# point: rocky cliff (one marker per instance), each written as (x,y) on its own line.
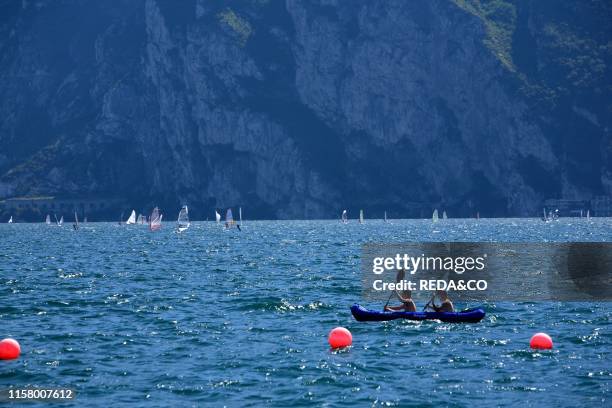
(298,109)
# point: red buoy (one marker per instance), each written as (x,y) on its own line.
(9,349)
(541,341)
(340,337)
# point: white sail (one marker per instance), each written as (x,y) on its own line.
(155,220)
(48,220)
(229,219)
(588,214)
(240,215)
(76,220)
(10,221)
(217,216)
(444,217)
(434,217)
(183,219)
(61,221)
(344,217)
(361,216)
(132,218)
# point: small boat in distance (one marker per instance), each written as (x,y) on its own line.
(217,216)
(344,217)
(132,219)
(444,217)
(434,217)
(229,218)
(183,219)
(10,221)
(552,216)
(155,220)
(361,216)
(48,220)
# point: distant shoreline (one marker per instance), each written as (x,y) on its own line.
(350,221)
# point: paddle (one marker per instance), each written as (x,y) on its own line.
(427,304)
(398,278)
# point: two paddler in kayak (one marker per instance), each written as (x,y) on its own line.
(408,305)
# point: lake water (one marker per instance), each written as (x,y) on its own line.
(130,317)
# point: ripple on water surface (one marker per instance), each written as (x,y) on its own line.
(129,316)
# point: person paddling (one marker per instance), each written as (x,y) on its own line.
(407,305)
(445,306)
(404,296)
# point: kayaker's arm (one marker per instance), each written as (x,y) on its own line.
(402,299)
(432,305)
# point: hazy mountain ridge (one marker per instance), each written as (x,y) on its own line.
(298,109)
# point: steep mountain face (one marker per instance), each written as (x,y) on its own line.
(298,109)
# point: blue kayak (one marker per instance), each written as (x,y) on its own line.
(361,314)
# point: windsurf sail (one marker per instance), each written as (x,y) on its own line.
(48,220)
(155,220)
(344,216)
(141,219)
(434,217)
(61,221)
(229,218)
(183,219)
(385,216)
(217,216)
(76,220)
(444,217)
(361,216)
(240,215)
(588,214)
(132,218)
(10,221)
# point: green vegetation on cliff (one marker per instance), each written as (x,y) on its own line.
(499,18)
